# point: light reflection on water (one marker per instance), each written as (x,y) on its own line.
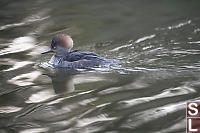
(159,53)
(16,45)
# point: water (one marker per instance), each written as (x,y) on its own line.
(157,42)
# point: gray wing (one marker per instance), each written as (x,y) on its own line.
(82,55)
(80,64)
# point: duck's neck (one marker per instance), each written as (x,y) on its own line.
(62,52)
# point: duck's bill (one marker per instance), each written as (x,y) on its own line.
(49,51)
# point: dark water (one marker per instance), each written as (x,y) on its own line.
(158,43)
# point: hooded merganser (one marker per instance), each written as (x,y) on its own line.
(62,44)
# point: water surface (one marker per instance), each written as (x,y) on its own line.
(157,43)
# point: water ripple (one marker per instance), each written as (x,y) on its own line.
(25,79)
(27,21)
(18,45)
(9,109)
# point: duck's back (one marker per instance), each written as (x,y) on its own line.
(77,55)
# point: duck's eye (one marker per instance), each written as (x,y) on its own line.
(53,44)
(53,47)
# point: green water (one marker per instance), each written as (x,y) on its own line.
(157,43)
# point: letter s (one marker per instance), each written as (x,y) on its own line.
(193,108)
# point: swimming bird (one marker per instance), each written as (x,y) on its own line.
(62,44)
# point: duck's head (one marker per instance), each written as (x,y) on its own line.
(60,44)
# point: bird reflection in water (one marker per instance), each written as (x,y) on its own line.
(62,80)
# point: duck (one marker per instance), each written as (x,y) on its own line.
(61,45)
